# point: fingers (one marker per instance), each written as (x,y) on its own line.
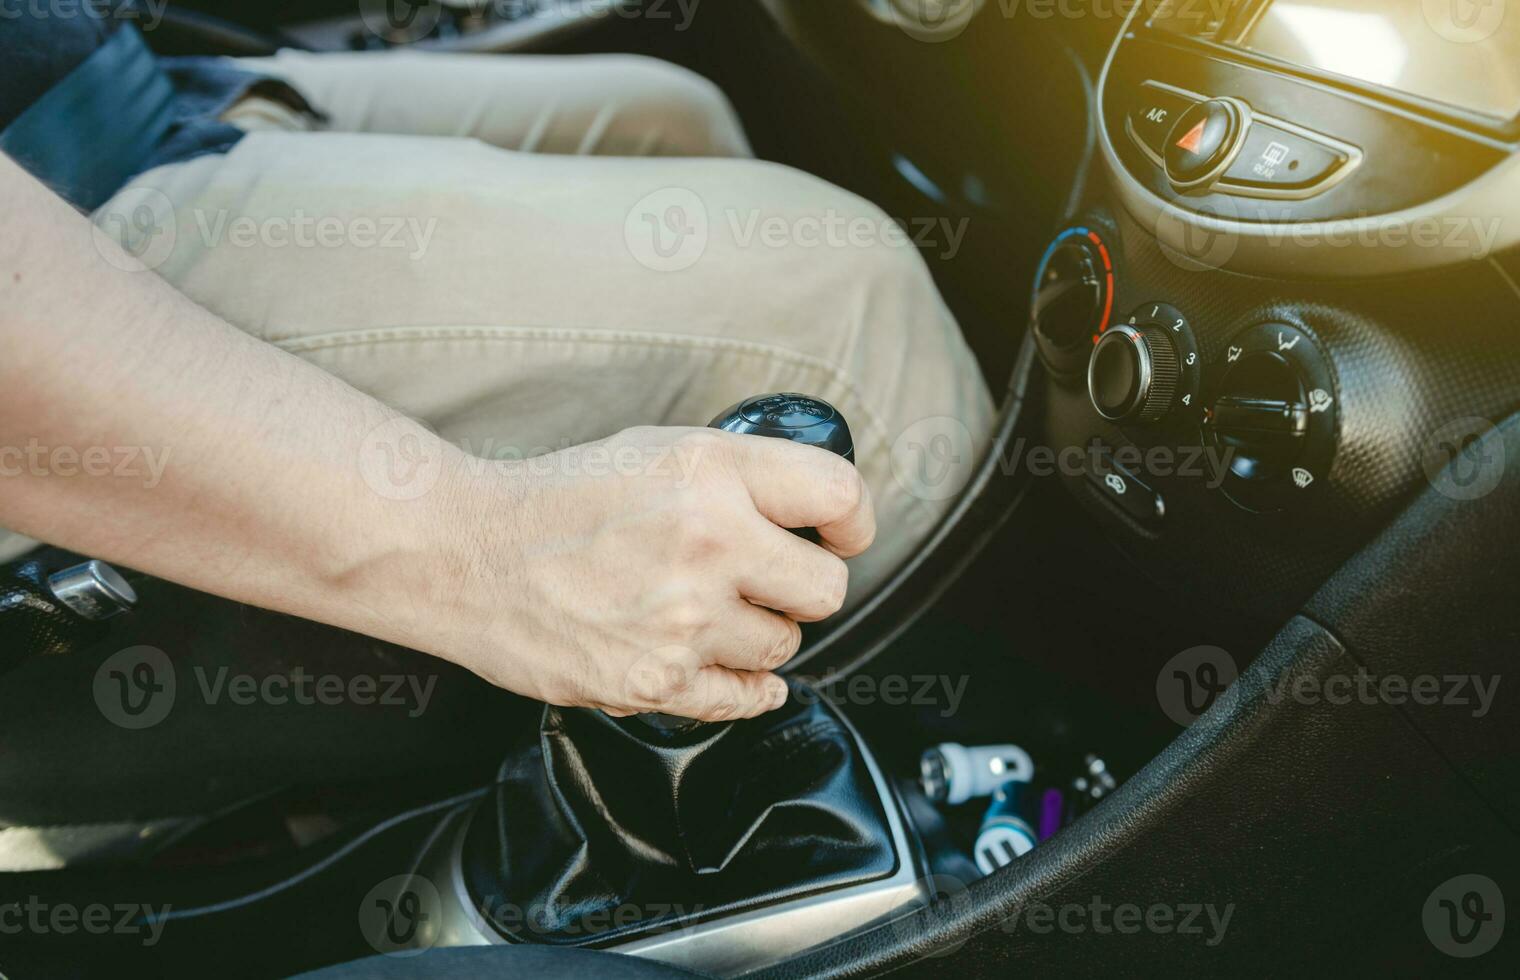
(793,576)
(720,694)
(803,486)
(677,680)
(748,637)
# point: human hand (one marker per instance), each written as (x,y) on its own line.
(651,572)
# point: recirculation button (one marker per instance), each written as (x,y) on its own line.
(1125,490)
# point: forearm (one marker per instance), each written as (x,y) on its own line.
(219,461)
(667,584)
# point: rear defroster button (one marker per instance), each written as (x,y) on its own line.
(1277,159)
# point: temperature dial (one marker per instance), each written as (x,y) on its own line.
(1073,298)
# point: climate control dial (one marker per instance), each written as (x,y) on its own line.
(1073,298)
(1272,417)
(1133,373)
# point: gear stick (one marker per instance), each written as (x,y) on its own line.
(787,415)
(800,418)
(606,828)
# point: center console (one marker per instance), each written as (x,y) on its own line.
(725,850)
(721,848)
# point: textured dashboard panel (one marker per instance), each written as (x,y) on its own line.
(1412,357)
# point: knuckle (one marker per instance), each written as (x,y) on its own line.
(697,533)
(869,534)
(638,435)
(656,681)
(785,649)
(685,617)
(724,707)
(701,445)
(843,488)
(633,433)
(834,586)
(566,692)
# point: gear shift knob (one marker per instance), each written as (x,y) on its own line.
(800,418)
(787,415)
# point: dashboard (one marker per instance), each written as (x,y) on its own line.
(1275,249)
(1343,161)
(1291,301)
